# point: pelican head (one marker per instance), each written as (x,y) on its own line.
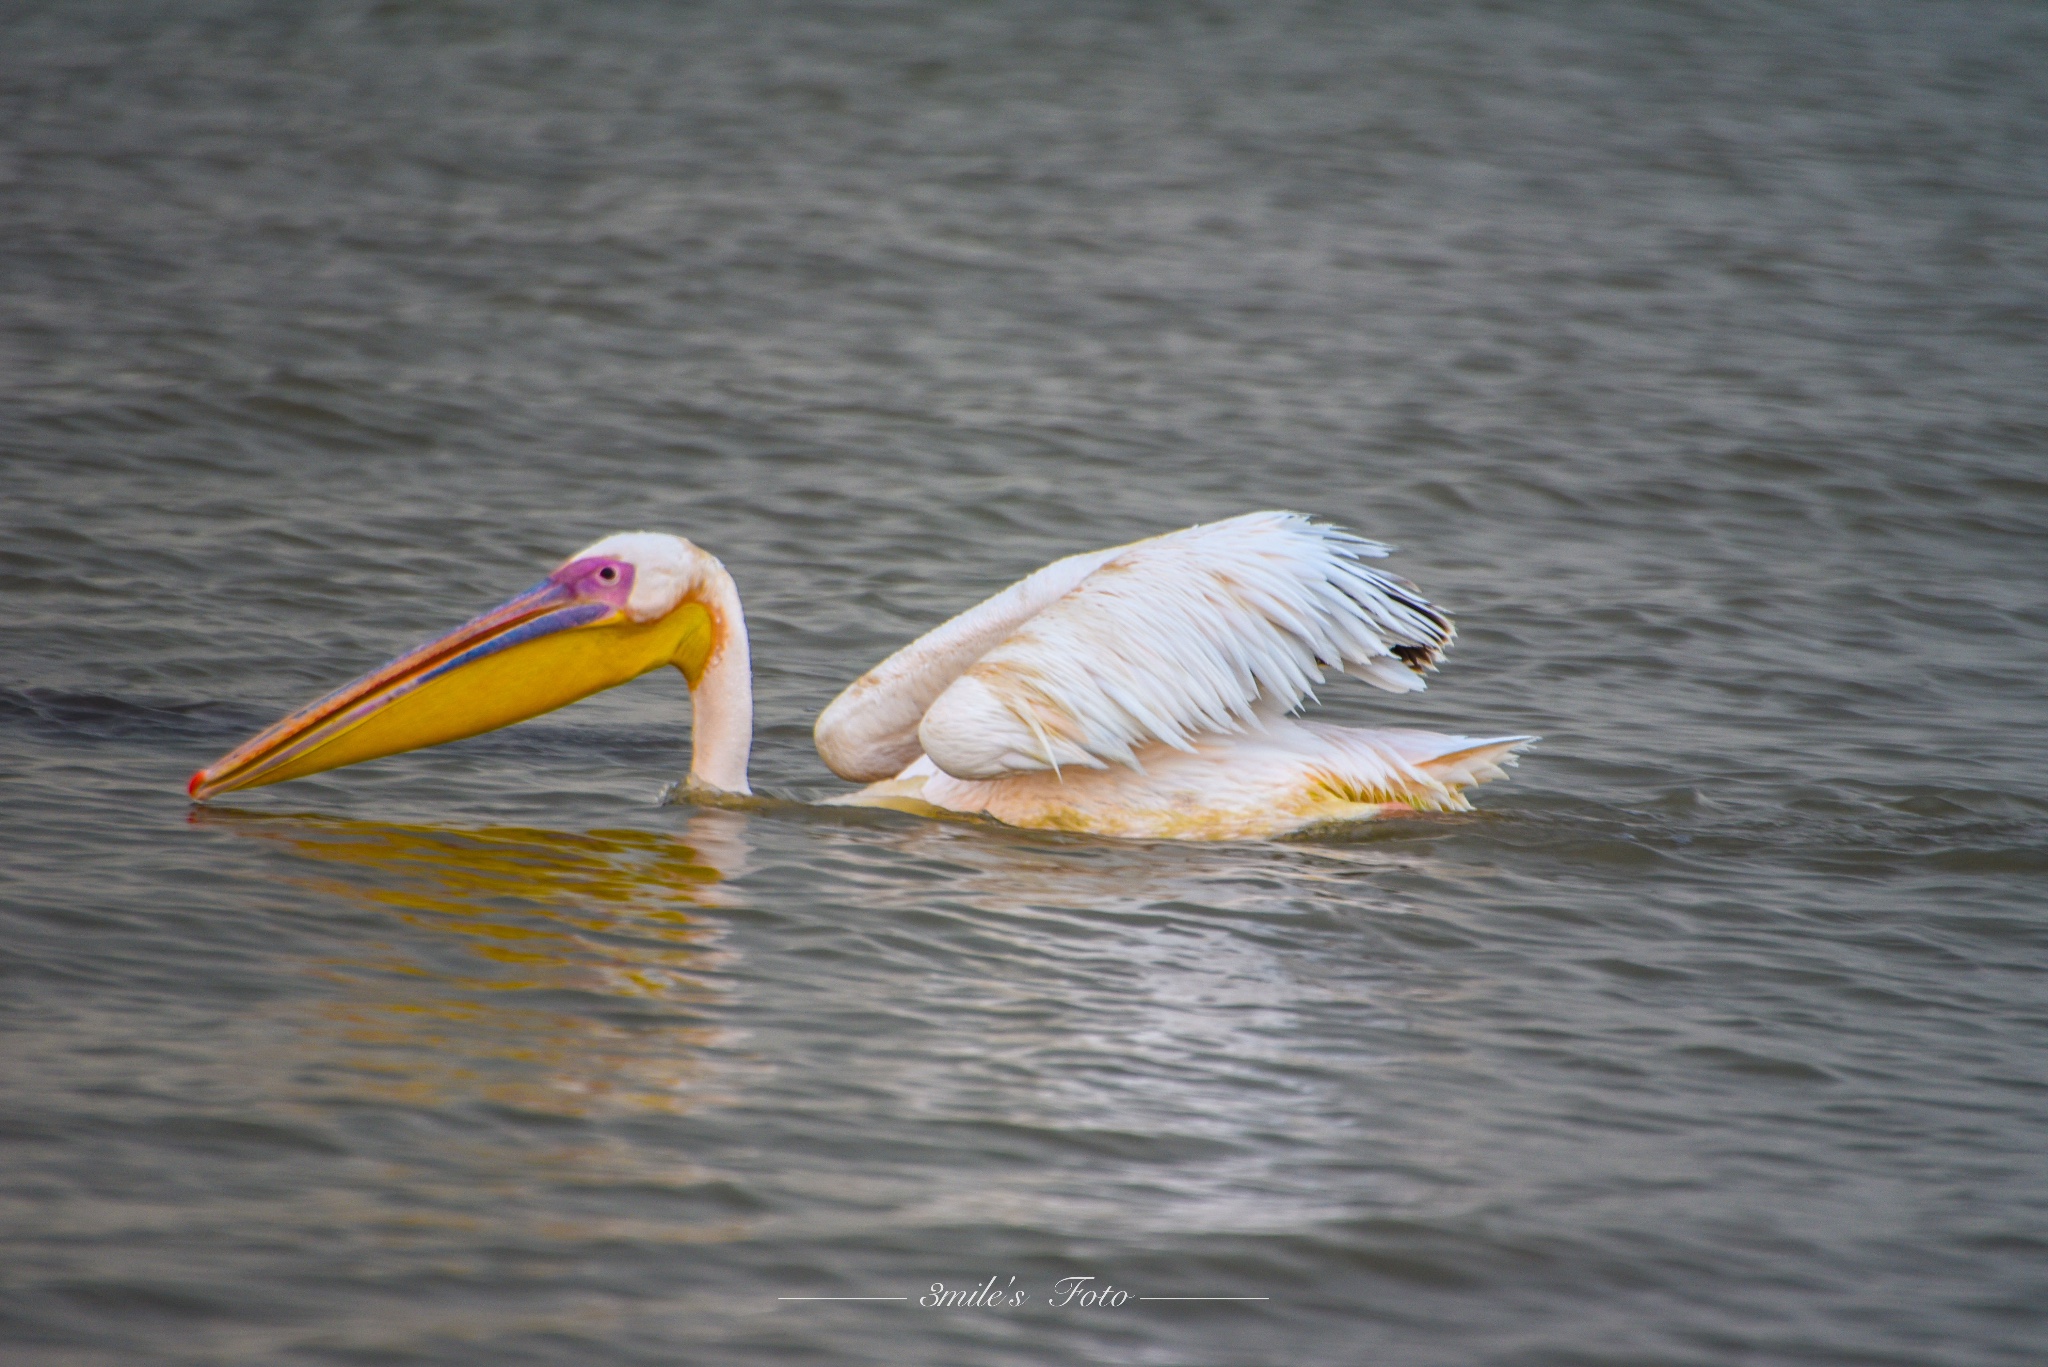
(625,605)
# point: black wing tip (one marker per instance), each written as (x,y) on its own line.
(1421,659)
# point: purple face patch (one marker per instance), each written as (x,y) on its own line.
(598,579)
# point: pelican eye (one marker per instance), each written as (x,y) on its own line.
(608,574)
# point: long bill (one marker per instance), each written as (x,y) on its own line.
(544,649)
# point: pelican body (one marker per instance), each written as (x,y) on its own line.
(1144,690)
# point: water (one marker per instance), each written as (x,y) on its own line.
(1692,354)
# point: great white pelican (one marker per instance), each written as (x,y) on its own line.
(1143,690)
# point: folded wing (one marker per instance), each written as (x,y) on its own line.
(1198,631)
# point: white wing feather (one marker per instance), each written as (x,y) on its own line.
(1195,632)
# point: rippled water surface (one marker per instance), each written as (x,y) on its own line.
(1693,354)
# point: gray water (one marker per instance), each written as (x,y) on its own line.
(1694,355)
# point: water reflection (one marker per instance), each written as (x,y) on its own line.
(547,971)
(1010,872)
(1160,1011)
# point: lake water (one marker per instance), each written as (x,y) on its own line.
(1696,357)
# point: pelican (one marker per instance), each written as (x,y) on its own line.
(1145,690)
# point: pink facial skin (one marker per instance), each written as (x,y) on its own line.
(597,579)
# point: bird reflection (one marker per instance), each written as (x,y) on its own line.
(548,971)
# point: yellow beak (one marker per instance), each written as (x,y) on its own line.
(557,642)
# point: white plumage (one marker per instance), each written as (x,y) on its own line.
(1143,690)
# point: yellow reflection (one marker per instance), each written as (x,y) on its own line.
(548,971)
